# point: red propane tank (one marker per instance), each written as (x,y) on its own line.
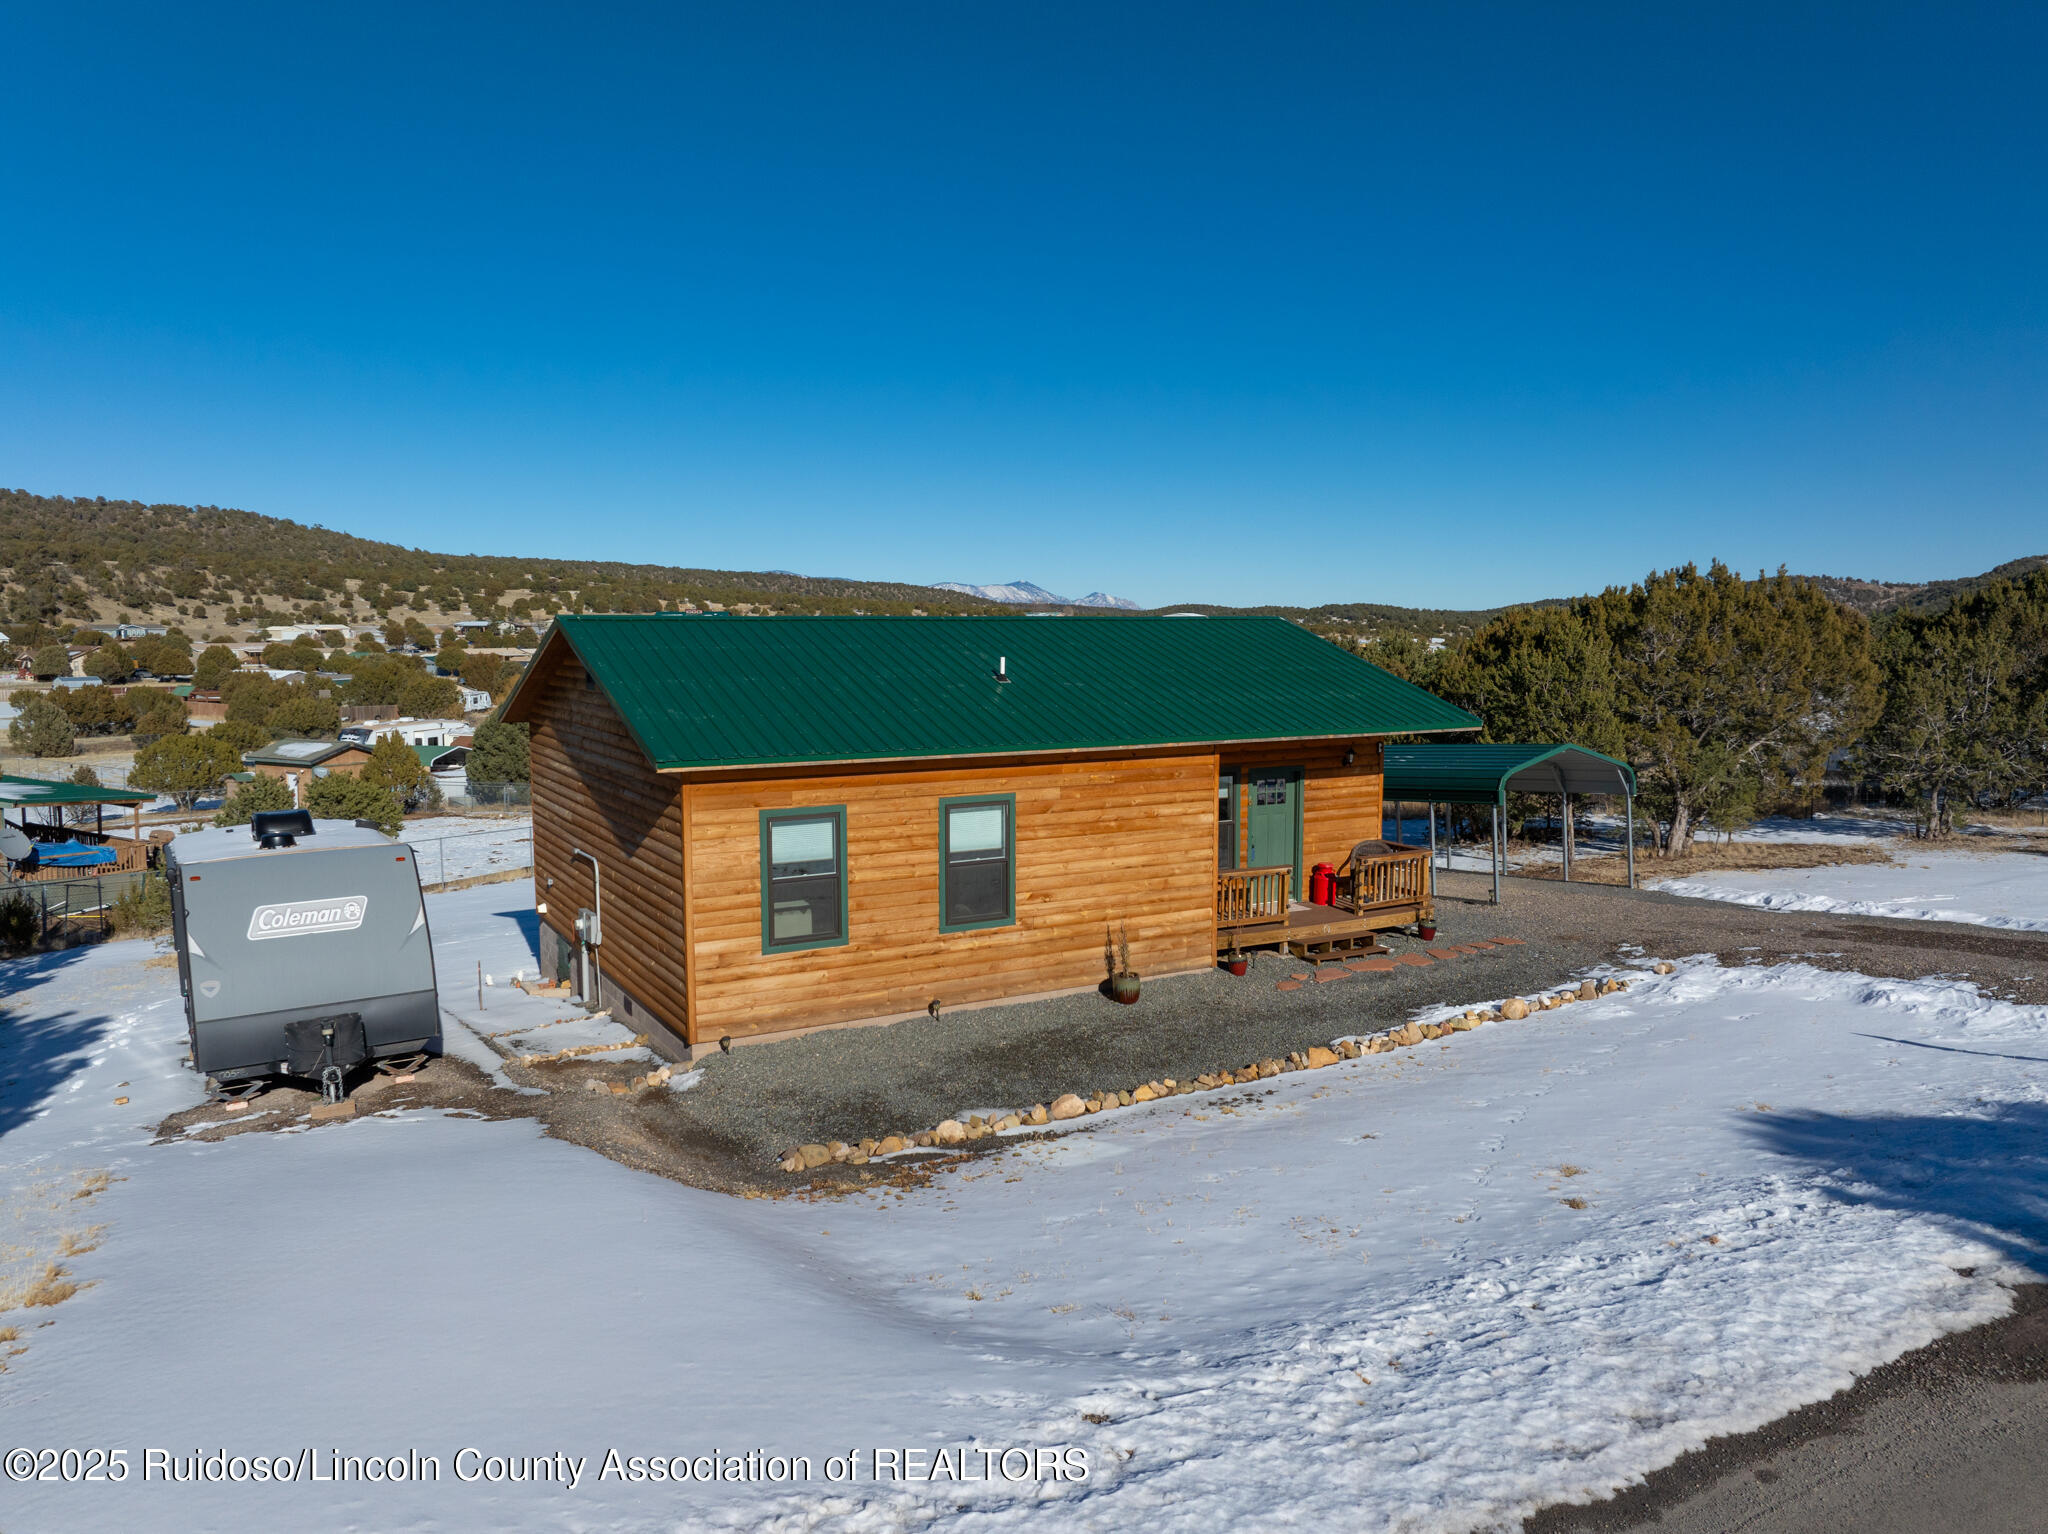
(1322,884)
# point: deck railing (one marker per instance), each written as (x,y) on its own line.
(1389,878)
(1245,896)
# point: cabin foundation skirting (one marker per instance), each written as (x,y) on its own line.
(560,961)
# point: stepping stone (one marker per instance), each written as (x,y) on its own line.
(1478,947)
(1288,985)
(1332,972)
(1421,959)
(1509,942)
(1373,966)
(1444,953)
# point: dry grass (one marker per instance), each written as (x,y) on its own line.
(76,1243)
(1714,857)
(92,1184)
(52,1286)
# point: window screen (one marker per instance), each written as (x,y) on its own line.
(804,887)
(977,857)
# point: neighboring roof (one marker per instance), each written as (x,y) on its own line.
(33,791)
(728,692)
(1486,774)
(217,843)
(429,755)
(300,753)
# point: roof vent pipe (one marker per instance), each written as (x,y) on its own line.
(1002,668)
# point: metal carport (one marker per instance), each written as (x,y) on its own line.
(1487,774)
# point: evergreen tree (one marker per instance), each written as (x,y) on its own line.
(1966,702)
(215,664)
(344,796)
(395,766)
(42,728)
(1728,689)
(50,660)
(187,767)
(499,754)
(258,795)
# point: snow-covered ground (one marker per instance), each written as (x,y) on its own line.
(454,847)
(1968,884)
(1426,1290)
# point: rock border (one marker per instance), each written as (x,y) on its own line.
(950,1133)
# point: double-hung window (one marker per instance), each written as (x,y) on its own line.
(977,862)
(803,878)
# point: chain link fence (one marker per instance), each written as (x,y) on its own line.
(67,908)
(486,796)
(470,854)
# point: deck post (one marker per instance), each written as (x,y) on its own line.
(1629,803)
(1496,852)
(1432,848)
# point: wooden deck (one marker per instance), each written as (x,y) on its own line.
(1388,888)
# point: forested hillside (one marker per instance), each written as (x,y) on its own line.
(86,561)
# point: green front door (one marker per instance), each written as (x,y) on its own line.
(1273,821)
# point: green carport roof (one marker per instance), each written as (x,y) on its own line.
(731,691)
(1485,774)
(37,791)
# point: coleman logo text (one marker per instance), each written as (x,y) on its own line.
(297,918)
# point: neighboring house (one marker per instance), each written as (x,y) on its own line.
(285,633)
(136,630)
(414,732)
(806,821)
(276,673)
(69,683)
(475,700)
(289,758)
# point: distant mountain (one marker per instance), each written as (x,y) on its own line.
(1877,598)
(1026,594)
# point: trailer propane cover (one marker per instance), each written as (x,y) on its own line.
(326,1049)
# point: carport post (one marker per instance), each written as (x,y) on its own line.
(1496,852)
(1629,804)
(1432,847)
(1564,837)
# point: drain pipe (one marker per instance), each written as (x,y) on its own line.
(595,998)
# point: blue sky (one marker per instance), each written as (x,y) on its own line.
(1443,305)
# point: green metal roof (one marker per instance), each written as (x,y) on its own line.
(1486,774)
(33,791)
(429,755)
(727,692)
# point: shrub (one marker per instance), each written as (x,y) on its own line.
(253,798)
(343,797)
(145,909)
(18,923)
(43,729)
(51,660)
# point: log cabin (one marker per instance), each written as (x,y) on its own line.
(748,826)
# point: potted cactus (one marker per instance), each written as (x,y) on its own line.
(1116,958)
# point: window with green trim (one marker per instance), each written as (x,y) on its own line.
(803,878)
(977,862)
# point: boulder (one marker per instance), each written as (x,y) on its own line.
(949,1132)
(1038,1114)
(813,1155)
(1665,967)
(1514,1009)
(1268,1069)
(1349,1049)
(792,1162)
(840,1150)
(1588,990)
(1067,1106)
(1010,1121)
(922,1138)
(890,1145)
(1318,1057)
(1143,1095)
